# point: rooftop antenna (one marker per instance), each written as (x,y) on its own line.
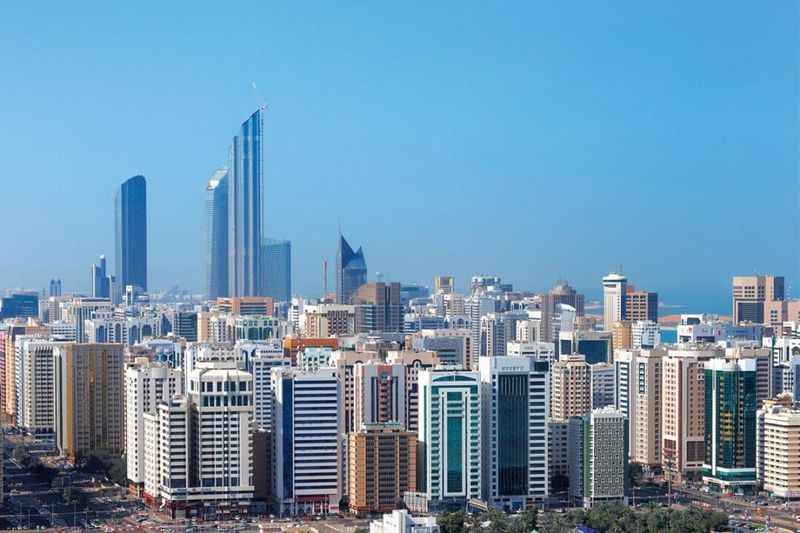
(324,278)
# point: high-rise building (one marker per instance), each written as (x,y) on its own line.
(622,335)
(449,436)
(307,456)
(639,375)
(351,271)
(19,305)
(216,265)
(641,305)
(246,207)
(614,300)
(379,394)
(9,337)
(146,385)
(277,269)
(730,424)
(88,393)
(570,388)
(130,204)
(778,429)
(101,282)
(443,285)
(382,467)
(414,363)
(683,409)
(645,334)
(562,293)
(377,308)
(185,325)
(34,385)
(603,385)
(199,447)
(598,456)
(515,395)
(55,287)
(750,293)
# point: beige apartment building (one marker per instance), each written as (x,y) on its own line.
(639,397)
(750,293)
(780,455)
(570,388)
(88,389)
(683,410)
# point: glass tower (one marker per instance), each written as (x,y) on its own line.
(130,205)
(351,271)
(216,264)
(277,265)
(245,208)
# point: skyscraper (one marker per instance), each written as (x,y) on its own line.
(217,235)
(750,293)
(614,299)
(55,287)
(101,282)
(351,271)
(276,257)
(245,207)
(130,205)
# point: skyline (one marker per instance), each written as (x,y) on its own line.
(390,143)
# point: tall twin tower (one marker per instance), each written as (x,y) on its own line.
(235,209)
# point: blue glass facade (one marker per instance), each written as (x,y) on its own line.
(130,208)
(277,265)
(351,271)
(19,305)
(217,235)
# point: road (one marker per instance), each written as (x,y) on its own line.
(772,515)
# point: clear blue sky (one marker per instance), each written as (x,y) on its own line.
(533,140)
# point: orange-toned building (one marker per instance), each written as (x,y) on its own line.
(246,305)
(293,345)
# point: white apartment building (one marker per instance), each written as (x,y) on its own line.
(34,394)
(146,385)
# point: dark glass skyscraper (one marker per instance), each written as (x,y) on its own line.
(277,265)
(351,271)
(217,235)
(130,207)
(245,208)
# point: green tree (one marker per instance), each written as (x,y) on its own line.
(452,522)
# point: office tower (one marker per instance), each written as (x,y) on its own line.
(146,385)
(641,305)
(306,420)
(644,334)
(515,392)
(130,208)
(88,394)
(414,363)
(377,308)
(34,385)
(381,467)
(185,325)
(277,269)
(778,464)
(351,271)
(750,293)
(443,285)
(570,388)
(730,424)
(199,449)
(614,300)
(604,385)
(640,394)
(55,288)
(557,455)
(595,346)
(101,281)
(246,305)
(245,208)
(562,293)
(449,436)
(379,394)
(216,265)
(19,305)
(598,457)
